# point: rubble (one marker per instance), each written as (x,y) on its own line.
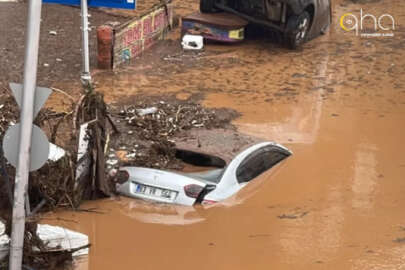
(146,111)
(168,119)
(8,111)
(53,185)
(149,140)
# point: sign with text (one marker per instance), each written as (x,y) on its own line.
(141,34)
(124,4)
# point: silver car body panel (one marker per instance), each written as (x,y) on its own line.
(224,180)
(229,185)
(158,179)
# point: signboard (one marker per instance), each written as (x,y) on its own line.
(141,34)
(124,4)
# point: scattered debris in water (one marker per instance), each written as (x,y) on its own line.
(400,240)
(293,216)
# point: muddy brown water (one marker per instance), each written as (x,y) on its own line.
(337,203)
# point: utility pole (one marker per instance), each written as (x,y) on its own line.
(27,113)
(86,76)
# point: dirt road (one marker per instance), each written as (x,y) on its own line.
(337,203)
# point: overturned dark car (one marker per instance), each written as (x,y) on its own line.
(297,20)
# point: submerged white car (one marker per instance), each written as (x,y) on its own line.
(204,187)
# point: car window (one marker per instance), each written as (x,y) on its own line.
(258,162)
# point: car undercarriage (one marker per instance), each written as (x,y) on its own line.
(261,9)
(297,20)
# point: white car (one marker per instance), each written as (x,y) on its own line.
(204,187)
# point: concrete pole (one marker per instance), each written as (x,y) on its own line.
(27,112)
(86,76)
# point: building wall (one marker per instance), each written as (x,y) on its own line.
(140,34)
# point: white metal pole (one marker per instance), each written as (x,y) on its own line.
(27,112)
(86,76)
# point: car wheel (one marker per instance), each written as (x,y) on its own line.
(297,30)
(207,6)
(325,29)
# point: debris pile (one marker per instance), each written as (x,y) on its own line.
(150,128)
(163,119)
(8,116)
(8,112)
(53,185)
(92,182)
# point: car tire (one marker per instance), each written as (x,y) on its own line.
(297,30)
(207,6)
(326,28)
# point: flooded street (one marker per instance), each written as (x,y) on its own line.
(337,203)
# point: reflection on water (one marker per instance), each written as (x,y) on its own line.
(149,212)
(302,125)
(365,177)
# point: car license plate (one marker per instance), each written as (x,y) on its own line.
(156,192)
(237,34)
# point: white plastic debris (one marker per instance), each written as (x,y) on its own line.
(192,42)
(63,239)
(131,156)
(58,238)
(55,152)
(112,162)
(53,33)
(143,112)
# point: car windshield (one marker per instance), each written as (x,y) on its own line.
(258,162)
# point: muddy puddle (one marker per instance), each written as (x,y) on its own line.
(337,203)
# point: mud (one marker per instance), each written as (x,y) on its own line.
(337,203)
(59,55)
